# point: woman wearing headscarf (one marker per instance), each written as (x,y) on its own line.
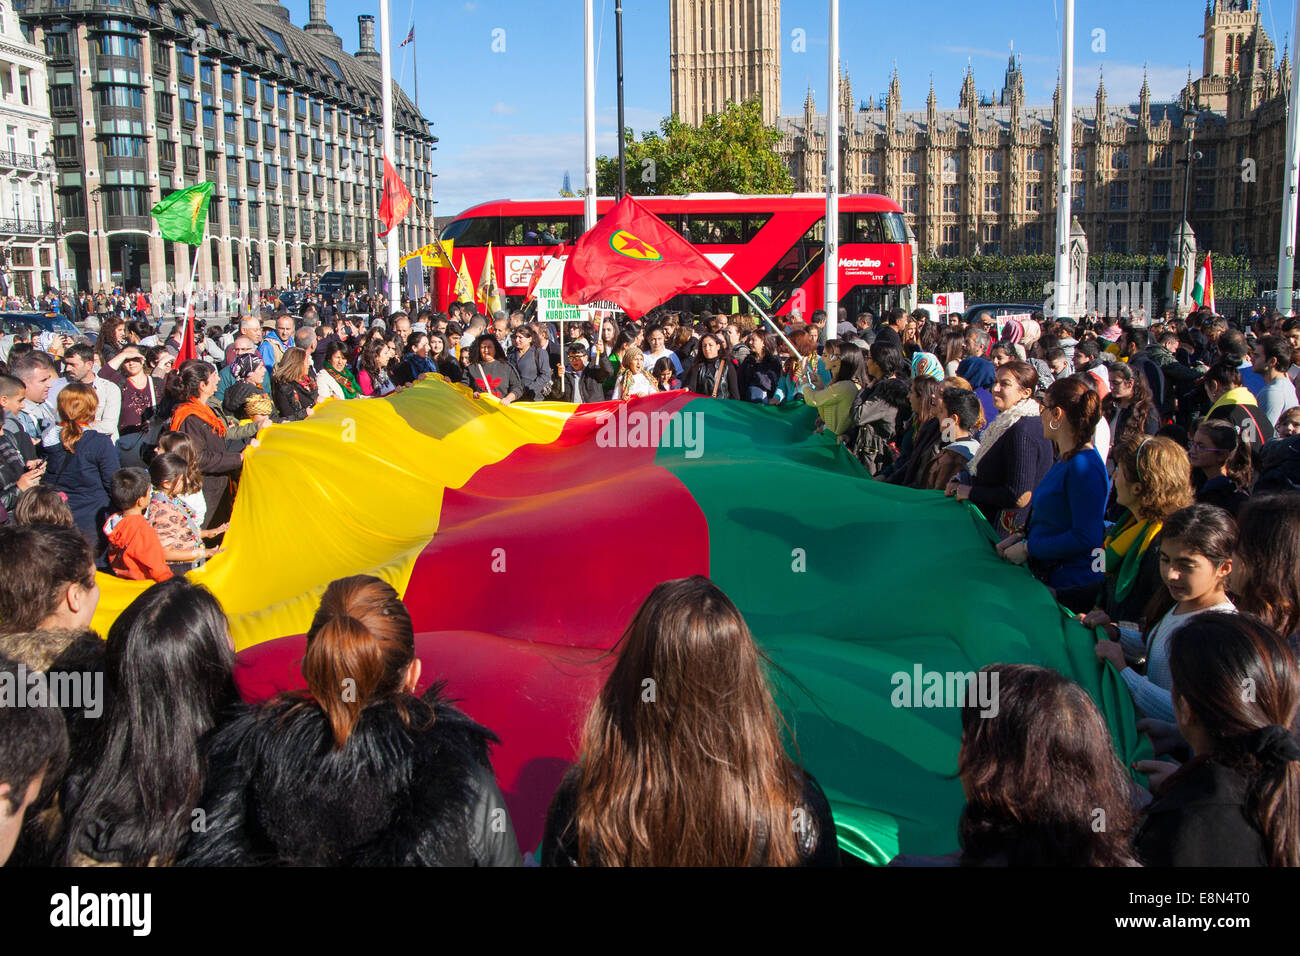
(189,389)
(1014,455)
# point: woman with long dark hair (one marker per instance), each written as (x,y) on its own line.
(700,776)
(834,402)
(416,360)
(713,373)
(1013,456)
(1222,466)
(358,770)
(761,369)
(880,408)
(80,462)
(1237,802)
(189,388)
(112,338)
(372,374)
(1067,524)
(293,385)
(1129,408)
(440,353)
(1035,775)
(1264,579)
(168,663)
(490,372)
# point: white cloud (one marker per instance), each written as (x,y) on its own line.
(471,6)
(502,109)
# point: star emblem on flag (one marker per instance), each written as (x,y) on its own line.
(626,244)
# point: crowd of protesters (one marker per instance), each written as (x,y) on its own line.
(1146,474)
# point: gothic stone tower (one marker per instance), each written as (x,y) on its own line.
(723,51)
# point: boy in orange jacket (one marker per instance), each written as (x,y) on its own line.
(134,549)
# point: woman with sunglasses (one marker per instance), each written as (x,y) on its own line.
(141,394)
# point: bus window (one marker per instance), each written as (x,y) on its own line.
(714,230)
(478,231)
(531,231)
(862,227)
(896,226)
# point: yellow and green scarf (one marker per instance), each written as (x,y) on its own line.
(1126,545)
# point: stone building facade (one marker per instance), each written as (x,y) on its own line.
(724,51)
(27,223)
(982,178)
(150,96)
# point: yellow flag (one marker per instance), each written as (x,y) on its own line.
(438,254)
(488,291)
(464,286)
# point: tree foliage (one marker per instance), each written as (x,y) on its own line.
(731,151)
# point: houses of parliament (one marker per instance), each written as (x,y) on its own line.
(982,178)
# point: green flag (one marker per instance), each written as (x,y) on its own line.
(183,214)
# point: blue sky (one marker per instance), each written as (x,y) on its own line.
(510,122)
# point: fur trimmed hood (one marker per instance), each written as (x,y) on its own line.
(399,793)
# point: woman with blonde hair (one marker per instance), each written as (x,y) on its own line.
(383,776)
(80,462)
(698,777)
(293,385)
(632,379)
(1152,480)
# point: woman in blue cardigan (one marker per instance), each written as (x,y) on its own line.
(80,462)
(1064,539)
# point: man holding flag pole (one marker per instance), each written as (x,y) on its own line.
(181,218)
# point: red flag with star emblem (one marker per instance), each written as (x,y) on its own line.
(635,259)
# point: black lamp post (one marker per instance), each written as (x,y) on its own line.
(94,195)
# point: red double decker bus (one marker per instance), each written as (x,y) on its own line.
(772,245)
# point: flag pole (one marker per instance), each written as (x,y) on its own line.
(1063,295)
(589,121)
(386,81)
(765,316)
(622,140)
(189,295)
(1286,247)
(830,252)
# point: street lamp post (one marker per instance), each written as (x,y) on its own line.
(94,195)
(52,172)
(1192,158)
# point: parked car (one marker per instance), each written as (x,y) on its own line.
(40,321)
(338,283)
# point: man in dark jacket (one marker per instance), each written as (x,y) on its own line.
(1132,345)
(583,379)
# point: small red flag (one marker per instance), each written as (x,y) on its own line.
(396,201)
(634,258)
(188,349)
(542,264)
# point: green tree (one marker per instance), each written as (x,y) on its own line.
(731,151)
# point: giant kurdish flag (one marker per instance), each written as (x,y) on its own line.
(523,539)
